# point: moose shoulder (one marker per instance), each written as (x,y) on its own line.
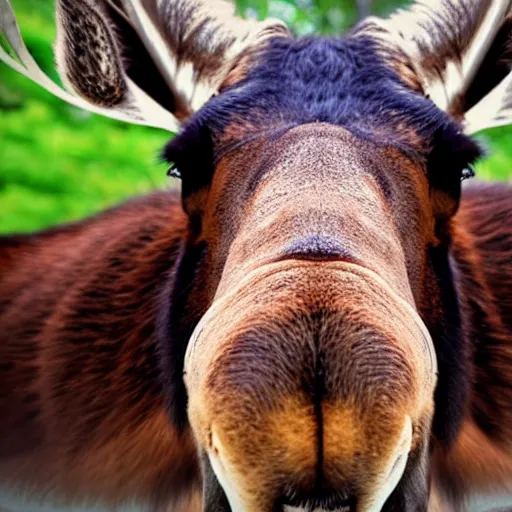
(83,410)
(322,320)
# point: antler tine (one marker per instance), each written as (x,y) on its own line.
(151,114)
(444,41)
(194,42)
(10,29)
(493,110)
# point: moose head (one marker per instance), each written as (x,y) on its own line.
(310,334)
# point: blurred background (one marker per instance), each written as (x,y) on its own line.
(59,163)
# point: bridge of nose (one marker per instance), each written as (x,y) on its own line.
(316,197)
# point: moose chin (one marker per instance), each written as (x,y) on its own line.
(319,320)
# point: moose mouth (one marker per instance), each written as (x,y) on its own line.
(322,501)
(309,508)
(332,478)
(312,508)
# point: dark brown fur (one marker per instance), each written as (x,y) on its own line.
(82,407)
(482,251)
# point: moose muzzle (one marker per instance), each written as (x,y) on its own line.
(310,387)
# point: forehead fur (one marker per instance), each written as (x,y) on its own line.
(341,81)
(344,81)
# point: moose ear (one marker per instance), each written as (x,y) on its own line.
(151,62)
(456,52)
(87,55)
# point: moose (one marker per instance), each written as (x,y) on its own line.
(321,318)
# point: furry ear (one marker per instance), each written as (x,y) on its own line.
(442,47)
(87,55)
(123,99)
(150,62)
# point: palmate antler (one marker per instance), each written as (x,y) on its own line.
(189,45)
(443,48)
(138,109)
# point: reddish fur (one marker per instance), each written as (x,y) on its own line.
(481,458)
(81,401)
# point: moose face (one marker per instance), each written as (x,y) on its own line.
(314,321)
(311,376)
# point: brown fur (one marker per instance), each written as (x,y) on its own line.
(82,409)
(482,456)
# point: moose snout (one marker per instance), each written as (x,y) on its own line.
(309,390)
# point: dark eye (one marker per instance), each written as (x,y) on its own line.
(467,172)
(174,172)
(190,156)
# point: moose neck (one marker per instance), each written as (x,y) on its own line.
(483,273)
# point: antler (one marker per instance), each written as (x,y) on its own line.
(147,112)
(192,44)
(493,110)
(195,42)
(445,43)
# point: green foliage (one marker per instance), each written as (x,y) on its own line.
(59,163)
(314,16)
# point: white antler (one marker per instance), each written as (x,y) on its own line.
(192,43)
(493,110)
(150,114)
(438,46)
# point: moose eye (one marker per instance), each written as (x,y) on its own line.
(467,172)
(190,155)
(174,172)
